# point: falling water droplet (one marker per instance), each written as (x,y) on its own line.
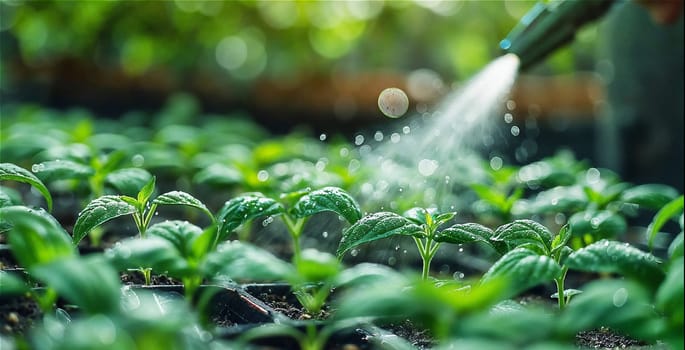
(322,137)
(515,130)
(620,297)
(378,136)
(458,275)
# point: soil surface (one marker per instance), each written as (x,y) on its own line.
(136,278)
(289,308)
(18,315)
(605,338)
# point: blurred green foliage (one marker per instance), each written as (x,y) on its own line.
(247,40)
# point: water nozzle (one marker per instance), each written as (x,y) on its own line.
(548,26)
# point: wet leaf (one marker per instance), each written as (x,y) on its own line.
(182,198)
(153,252)
(315,266)
(524,231)
(651,196)
(35,237)
(669,296)
(9,171)
(243,261)
(374,227)
(61,170)
(99,211)
(146,192)
(617,257)
(218,175)
(524,269)
(244,208)
(467,233)
(179,233)
(90,283)
(562,238)
(597,224)
(128,181)
(328,199)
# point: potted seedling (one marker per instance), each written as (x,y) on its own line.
(424,226)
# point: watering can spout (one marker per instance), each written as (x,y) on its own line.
(550,25)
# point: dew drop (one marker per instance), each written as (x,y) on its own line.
(324,234)
(458,275)
(354,252)
(262,175)
(322,137)
(620,297)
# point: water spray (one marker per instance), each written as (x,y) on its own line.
(549,26)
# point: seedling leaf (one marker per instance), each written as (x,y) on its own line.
(61,170)
(524,269)
(9,171)
(374,227)
(328,199)
(128,181)
(154,252)
(650,196)
(146,191)
(243,261)
(99,211)
(91,283)
(670,210)
(35,236)
(524,231)
(617,257)
(179,233)
(182,198)
(244,208)
(598,224)
(466,233)
(11,285)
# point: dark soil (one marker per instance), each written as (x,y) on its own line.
(605,338)
(18,315)
(137,278)
(290,308)
(414,334)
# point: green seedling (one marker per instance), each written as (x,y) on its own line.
(422,225)
(142,208)
(177,248)
(498,198)
(294,209)
(536,256)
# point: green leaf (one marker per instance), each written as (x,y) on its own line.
(617,257)
(99,211)
(597,224)
(669,296)
(182,198)
(675,250)
(61,170)
(670,210)
(621,305)
(218,175)
(328,199)
(651,196)
(5,200)
(146,192)
(420,216)
(467,233)
(244,208)
(91,283)
(11,285)
(562,238)
(314,266)
(9,171)
(374,227)
(128,181)
(524,231)
(179,233)
(524,269)
(35,237)
(154,252)
(245,262)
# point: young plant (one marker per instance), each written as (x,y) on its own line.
(36,239)
(294,208)
(498,198)
(422,225)
(142,209)
(536,256)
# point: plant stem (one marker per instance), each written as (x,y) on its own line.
(427,249)
(560,288)
(295,229)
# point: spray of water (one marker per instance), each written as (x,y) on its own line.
(435,151)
